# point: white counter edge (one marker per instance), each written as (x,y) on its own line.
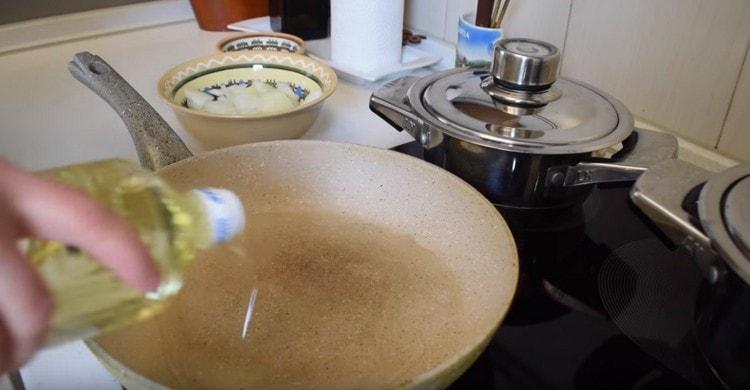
(695,154)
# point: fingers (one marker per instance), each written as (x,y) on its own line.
(25,306)
(53,211)
(6,349)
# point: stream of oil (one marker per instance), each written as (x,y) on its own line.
(340,304)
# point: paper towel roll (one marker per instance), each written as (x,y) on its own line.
(366,34)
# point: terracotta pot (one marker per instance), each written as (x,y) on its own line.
(215,15)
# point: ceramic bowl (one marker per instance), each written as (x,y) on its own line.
(271,41)
(311,80)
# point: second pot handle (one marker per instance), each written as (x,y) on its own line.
(661,193)
(389,103)
(650,148)
(157,144)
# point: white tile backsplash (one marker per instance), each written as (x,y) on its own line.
(672,62)
(735,137)
(545,20)
(453,11)
(675,63)
(427,16)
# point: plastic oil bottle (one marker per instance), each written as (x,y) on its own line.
(173,225)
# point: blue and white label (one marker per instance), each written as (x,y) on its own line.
(224,212)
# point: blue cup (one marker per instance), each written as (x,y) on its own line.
(476,44)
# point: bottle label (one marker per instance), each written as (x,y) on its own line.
(224,212)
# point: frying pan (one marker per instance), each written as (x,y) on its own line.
(373,269)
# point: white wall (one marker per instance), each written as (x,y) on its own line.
(675,63)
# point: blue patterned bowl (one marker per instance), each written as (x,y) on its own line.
(310,80)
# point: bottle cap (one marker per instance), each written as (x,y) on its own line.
(224,211)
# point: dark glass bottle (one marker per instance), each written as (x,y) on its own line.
(307,19)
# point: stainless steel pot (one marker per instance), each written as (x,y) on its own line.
(710,216)
(519,135)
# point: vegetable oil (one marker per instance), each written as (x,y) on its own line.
(173,225)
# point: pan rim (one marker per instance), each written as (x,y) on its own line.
(473,349)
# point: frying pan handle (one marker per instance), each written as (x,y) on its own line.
(643,149)
(157,144)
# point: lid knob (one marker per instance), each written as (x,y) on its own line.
(523,72)
(525,64)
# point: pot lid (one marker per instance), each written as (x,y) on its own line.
(724,211)
(518,105)
(737,214)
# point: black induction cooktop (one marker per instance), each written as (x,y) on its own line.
(603,302)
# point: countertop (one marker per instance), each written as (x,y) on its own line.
(49,119)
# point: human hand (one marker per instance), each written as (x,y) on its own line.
(31,206)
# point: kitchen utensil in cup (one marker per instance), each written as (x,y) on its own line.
(475,44)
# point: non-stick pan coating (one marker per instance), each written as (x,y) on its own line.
(373,270)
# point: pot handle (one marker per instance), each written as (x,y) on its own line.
(663,193)
(157,144)
(390,103)
(641,150)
